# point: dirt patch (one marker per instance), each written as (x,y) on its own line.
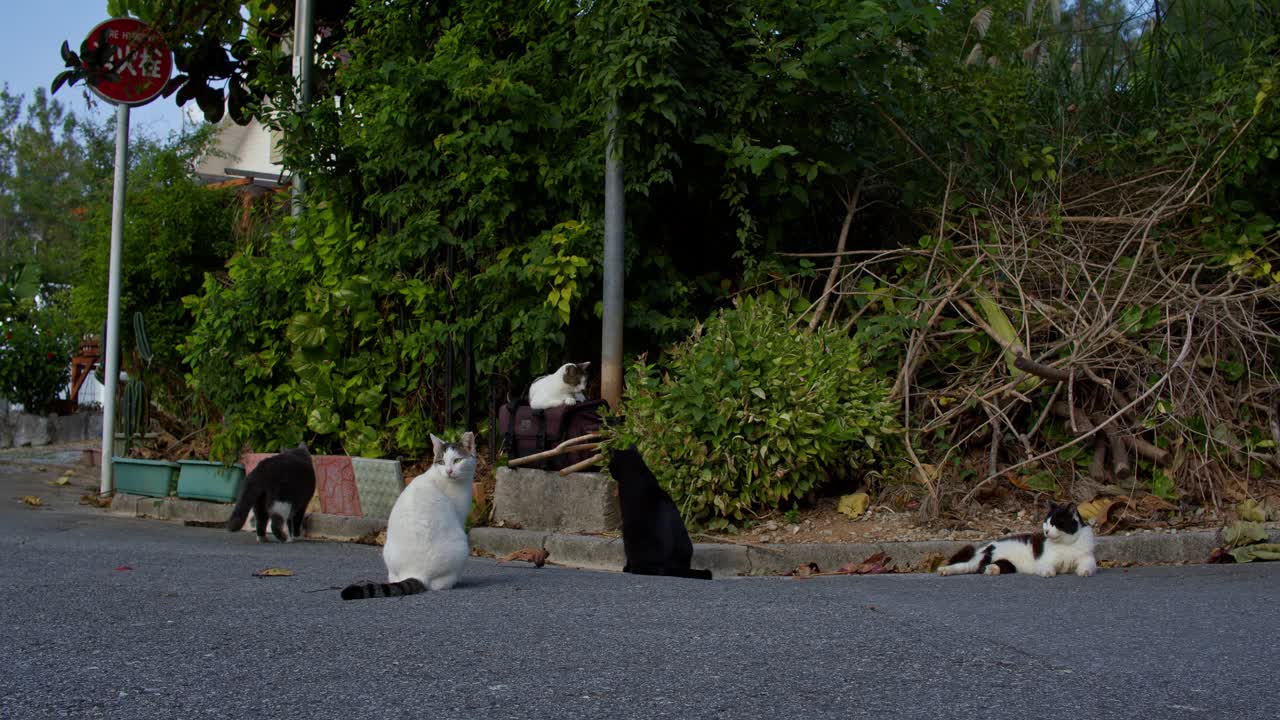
(821,523)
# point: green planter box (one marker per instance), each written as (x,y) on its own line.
(207,480)
(154,478)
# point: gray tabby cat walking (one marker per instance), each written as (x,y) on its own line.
(426,533)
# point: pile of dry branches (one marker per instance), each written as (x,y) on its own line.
(1116,330)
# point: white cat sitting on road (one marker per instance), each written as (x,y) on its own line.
(426,533)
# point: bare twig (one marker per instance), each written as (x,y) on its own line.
(835,266)
(576,467)
(1025,364)
(582,443)
(1098,467)
(1182,355)
(903,134)
(1119,455)
(1147,450)
(1045,413)
(993,465)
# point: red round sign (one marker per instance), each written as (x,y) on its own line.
(139,57)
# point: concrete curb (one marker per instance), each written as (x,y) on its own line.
(726,560)
(318,525)
(598,552)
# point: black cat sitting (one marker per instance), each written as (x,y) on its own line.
(654,537)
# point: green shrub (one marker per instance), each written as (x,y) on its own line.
(35,356)
(753,411)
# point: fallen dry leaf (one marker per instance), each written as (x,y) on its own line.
(1220,556)
(1259,551)
(1017,481)
(932,562)
(1243,532)
(60,481)
(1094,508)
(32,500)
(274,572)
(806,570)
(537,556)
(373,537)
(1251,511)
(873,565)
(1130,512)
(100,501)
(1151,503)
(854,505)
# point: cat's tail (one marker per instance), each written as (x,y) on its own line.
(361,591)
(240,512)
(967,560)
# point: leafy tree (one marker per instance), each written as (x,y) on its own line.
(175,231)
(454,157)
(44,179)
(36,343)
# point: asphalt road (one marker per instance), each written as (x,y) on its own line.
(111,617)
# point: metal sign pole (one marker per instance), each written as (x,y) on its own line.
(614,230)
(111,343)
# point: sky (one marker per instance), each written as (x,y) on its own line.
(32,31)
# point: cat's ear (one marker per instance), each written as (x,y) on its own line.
(468,443)
(584,366)
(437,445)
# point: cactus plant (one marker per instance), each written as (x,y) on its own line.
(140,336)
(135,413)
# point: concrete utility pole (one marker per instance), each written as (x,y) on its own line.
(303,34)
(614,232)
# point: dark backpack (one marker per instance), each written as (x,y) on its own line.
(526,431)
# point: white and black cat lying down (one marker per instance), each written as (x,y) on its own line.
(1064,544)
(654,538)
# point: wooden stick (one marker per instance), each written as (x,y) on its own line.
(1094,219)
(554,452)
(582,465)
(835,265)
(993,461)
(1177,362)
(1027,365)
(1119,455)
(1147,450)
(568,446)
(1098,468)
